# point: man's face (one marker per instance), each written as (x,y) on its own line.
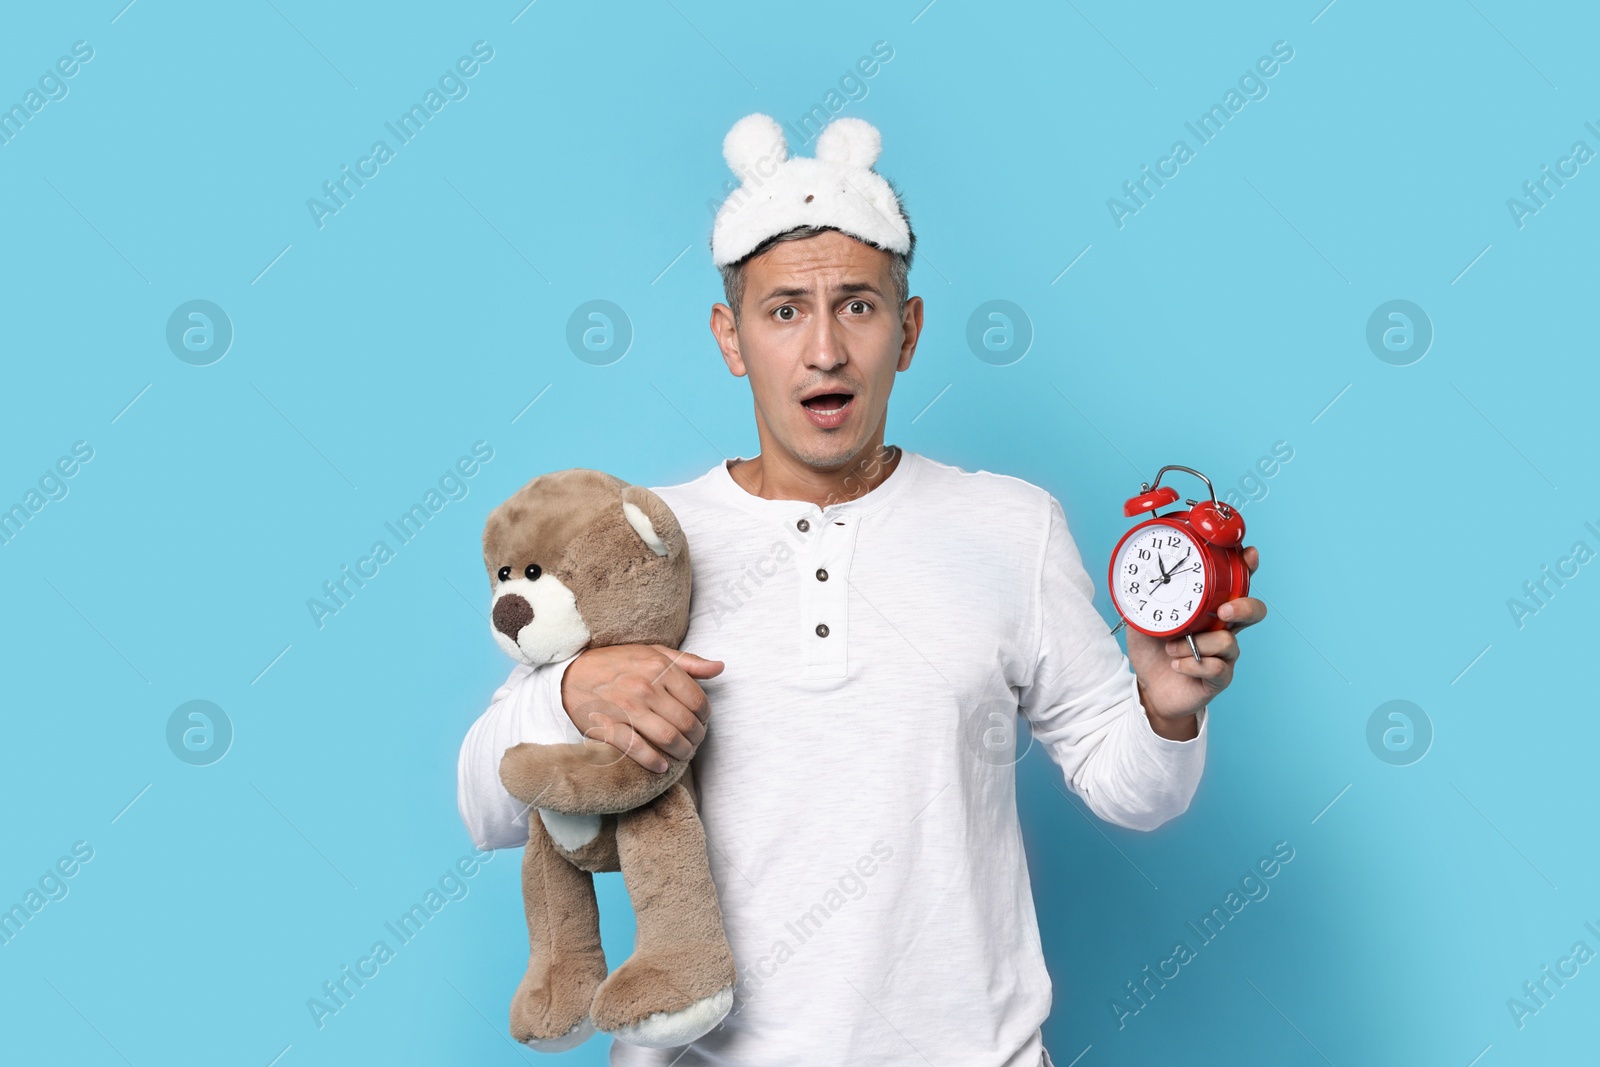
(820,339)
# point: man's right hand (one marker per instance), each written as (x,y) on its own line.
(642,700)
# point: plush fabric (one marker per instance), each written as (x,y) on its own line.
(837,188)
(681,965)
(579,558)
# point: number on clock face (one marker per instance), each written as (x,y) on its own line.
(1160,579)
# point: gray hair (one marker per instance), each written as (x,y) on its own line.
(899,264)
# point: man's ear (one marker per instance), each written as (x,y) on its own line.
(727,335)
(911,329)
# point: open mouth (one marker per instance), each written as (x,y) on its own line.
(828,411)
(828,403)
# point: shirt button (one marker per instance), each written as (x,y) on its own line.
(822,575)
(822,629)
(803,525)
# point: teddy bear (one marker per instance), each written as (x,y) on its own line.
(581,559)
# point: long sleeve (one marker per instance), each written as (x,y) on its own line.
(526,708)
(1082,703)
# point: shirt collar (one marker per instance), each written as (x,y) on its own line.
(904,473)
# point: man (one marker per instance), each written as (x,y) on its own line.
(878,619)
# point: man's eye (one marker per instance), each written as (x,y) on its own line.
(786,312)
(858,307)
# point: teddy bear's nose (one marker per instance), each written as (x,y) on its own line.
(511,613)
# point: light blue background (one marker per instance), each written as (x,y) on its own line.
(1222,318)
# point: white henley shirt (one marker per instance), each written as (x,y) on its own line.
(857,779)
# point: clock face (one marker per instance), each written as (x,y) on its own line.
(1160,579)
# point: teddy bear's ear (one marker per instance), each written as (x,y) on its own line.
(653,521)
(642,526)
(752,139)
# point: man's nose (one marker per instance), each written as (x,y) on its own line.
(827,348)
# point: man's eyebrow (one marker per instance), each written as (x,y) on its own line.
(847,287)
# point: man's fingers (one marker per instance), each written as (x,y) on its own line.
(1210,668)
(594,717)
(672,711)
(1245,611)
(1218,643)
(622,736)
(693,665)
(686,691)
(1252,558)
(669,727)
(651,708)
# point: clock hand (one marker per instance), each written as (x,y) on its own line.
(1166,575)
(1180,568)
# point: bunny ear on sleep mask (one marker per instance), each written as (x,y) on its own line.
(836,188)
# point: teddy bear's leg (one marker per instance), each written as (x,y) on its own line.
(678,984)
(550,1011)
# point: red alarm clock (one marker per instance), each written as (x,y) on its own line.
(1170,573)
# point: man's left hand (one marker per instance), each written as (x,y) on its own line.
(1173,685)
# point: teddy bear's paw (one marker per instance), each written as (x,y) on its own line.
(669,1029)
(550,1010)
(569,1040)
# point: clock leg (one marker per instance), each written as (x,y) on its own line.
(1194,649)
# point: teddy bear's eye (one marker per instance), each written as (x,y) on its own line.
(505,573)
(533,572)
